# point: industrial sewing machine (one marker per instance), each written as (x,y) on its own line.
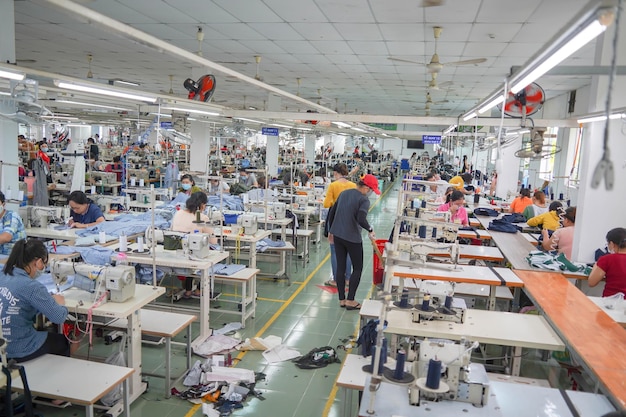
(118,280)
(459,380)
(197,245)
(249,223)
(101,177)
(301,201)
(278,210)
(436,301)
(106,201)
(39,216)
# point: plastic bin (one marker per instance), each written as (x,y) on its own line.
(378,270)
(230,218)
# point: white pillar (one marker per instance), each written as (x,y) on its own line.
(200,147)
(8,128)
(309,149)
(271,155)
(507,167)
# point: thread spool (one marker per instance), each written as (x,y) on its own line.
(102,237)
(426,302)
(434,235)
(423,203)
(448,302)
(123,244)
(197,216)
(404,300)
(400,359)
(561,196)
(140,244)
(133,181)
(552,196)
(433,378)
(93,189)
(422,232)
(141,182)
(413,203)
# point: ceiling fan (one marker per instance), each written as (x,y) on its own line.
(536,148)
(434,66)
(257,76)
(434,85)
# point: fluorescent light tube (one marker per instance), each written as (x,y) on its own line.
(358,129)
(18,76)
(601,118)
(590,32)
(341,124)
(249,120)
(450,129)
(469,116)
(279,125)
(491,104)
(80,103)
(206,113)
(103,91)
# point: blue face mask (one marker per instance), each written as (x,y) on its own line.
(44,149)
(186,187)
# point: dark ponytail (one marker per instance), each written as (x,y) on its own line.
(196,200)
(23,253)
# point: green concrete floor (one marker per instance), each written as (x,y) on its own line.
(302,314)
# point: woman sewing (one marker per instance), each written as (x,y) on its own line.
(83,212)
(455,205)
(23,297)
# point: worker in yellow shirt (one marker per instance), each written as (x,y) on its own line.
(459,181)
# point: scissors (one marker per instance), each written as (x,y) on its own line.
(605,170)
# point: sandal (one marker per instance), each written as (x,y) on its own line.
(342,303)
(357,306)
(330,283)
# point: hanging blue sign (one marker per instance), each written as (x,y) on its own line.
(166,125)
(269,131)
(431,139)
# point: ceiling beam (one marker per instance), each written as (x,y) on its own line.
(127,31)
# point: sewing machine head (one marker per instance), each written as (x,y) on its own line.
(278,209)
(436,302)
(301,200)
(118,280)
(39,216)
(249,222)
(197,245)
(460,379)
(106,201)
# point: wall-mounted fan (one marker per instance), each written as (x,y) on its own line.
(526,102)
(22,106)
(435,65)
(536,148)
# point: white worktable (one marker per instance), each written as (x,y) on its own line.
(79,301)
(51,233)
(491,327)
(460,274)
(226,234)
(484,253)
(45,375)
(615,309)
(175,260)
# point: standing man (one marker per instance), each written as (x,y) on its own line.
(348,216)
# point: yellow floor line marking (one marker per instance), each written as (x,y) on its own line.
(333,392)
(274,300)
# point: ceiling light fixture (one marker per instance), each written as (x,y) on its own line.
(358,129)
(469,116)
(494,102)
(601,117)
(103,91)
(194,111)
(279,125)
(341,124)
(124,82)
(249,120)
(590,23)
(17,76)
(80,103)
(449,129)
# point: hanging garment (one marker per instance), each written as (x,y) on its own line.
(171,174)
(40,190)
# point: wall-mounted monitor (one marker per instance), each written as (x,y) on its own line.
(414,144)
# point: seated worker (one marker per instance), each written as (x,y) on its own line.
(11,227)
(188,185)
(549,220)
(562,239)
(537,207)
(435,190)
(247,178)
(523,200)
(459,181)
(611,267)
(84,213)
(455,205)
(23,297)
(116,167)
(219,186)
(183,221)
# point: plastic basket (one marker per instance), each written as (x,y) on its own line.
(230,218)
(378,268)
